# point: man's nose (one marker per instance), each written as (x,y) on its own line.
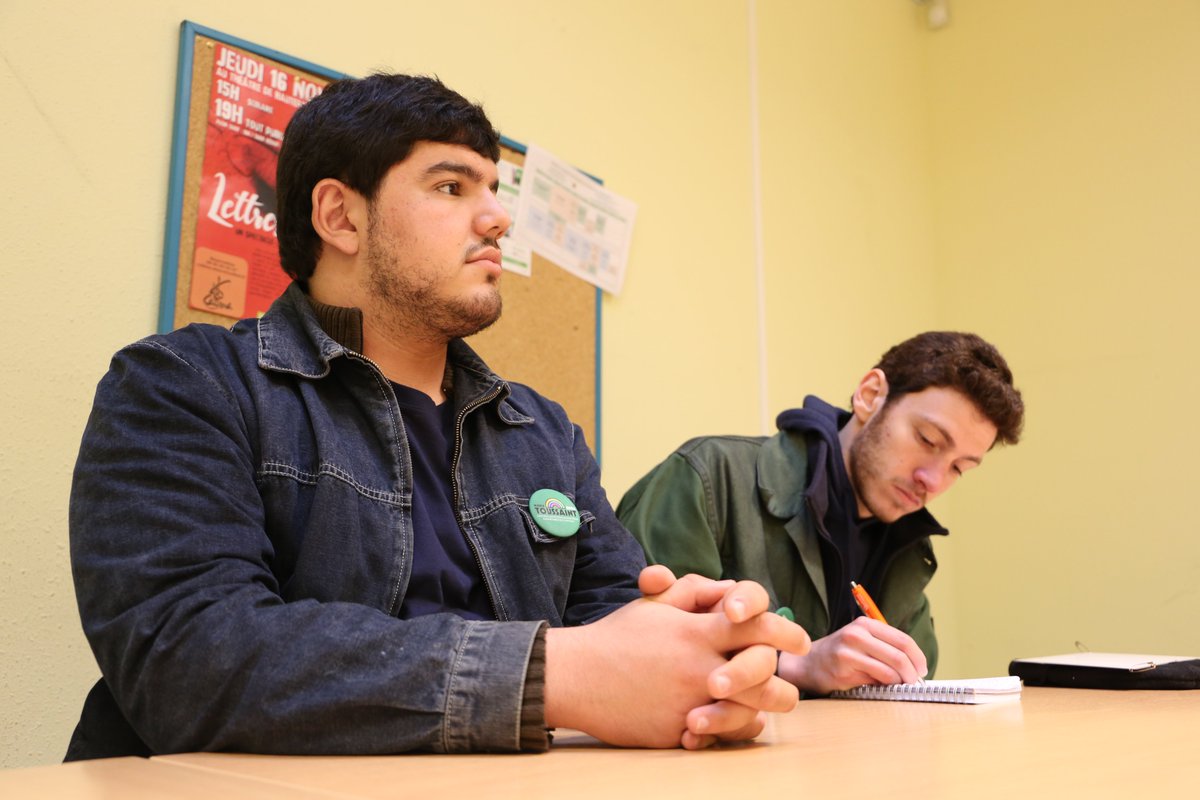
(493,219)
(933,479)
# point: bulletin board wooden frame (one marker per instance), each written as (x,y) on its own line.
(549,334)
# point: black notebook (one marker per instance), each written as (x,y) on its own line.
(1109,671)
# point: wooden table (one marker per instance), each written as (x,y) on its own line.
(1054,742)
(1064,742)
(137,779)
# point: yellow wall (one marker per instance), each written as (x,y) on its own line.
(1067,189)
(846,191)
(1025,172)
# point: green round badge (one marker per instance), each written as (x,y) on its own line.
(554,513)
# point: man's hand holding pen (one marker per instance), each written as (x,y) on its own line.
(867,651)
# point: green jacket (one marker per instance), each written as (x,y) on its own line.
(698,511)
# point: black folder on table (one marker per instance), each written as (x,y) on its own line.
(1109,671)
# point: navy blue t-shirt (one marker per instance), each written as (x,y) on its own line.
(445,574)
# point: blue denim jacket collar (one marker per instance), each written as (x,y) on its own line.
(292,339)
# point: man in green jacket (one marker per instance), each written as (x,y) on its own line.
(838,496)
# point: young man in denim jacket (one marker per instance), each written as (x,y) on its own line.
(838,496)
(335,530)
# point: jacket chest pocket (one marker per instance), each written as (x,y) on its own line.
(538,535)
(528,570)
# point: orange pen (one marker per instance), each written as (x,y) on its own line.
(869,608)
(865,602)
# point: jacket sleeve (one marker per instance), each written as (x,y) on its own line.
(671,516)
(172,567)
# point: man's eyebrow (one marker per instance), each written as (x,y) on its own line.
(950,440)
(459,168)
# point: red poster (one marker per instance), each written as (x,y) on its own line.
(235,266)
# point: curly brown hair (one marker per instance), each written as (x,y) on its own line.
(962,361)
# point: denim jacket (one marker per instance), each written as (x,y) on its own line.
(241,540)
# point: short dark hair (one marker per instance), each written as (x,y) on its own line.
(355,131)
(961,361)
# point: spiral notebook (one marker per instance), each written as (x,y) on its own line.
(973,691)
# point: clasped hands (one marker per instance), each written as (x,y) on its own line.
(690,664)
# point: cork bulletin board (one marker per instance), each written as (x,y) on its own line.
(220,260)
(549,334)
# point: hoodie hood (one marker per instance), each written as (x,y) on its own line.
(818,423)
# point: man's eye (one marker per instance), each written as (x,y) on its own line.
(449,188)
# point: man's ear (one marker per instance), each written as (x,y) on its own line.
(870,395)
(337,215)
